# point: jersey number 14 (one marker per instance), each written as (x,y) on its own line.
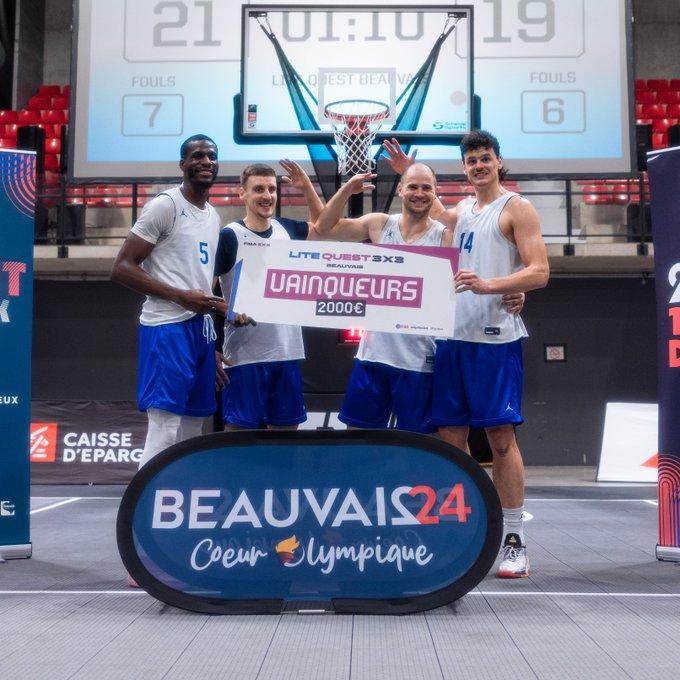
(466,243)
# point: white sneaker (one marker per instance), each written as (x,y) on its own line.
(514,561)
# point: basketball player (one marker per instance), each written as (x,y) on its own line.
(265,383)
(169,256)
(392,372)
(478,374)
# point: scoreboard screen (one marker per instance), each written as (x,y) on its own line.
(554,78)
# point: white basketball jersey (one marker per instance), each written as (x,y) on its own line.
(409,352)
(266,341)
(185,241)
(485,250)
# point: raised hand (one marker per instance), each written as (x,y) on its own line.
(296,177)
(396,158)
(360,183)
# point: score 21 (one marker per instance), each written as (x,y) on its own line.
(181,31)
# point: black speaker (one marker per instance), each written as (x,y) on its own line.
(674,135)
(32,137)
(643,144)
(63,156)
(74,223)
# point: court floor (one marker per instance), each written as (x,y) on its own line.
(597,605)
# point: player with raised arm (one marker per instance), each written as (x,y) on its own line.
(478,374)
(263,360)
(169,256)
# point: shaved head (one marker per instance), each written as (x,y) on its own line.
(418,169)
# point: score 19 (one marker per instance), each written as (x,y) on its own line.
(507,29)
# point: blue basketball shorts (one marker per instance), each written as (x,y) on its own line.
(376,390)
(177,367)
(266,392)
(478,384)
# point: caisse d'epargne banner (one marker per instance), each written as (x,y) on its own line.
(17,209)
(664,177)
(395,289)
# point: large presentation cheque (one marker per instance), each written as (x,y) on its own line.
(396,289)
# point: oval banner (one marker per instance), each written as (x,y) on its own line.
(363,521)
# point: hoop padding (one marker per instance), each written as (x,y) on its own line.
(355,124)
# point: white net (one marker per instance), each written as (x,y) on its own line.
(355,124)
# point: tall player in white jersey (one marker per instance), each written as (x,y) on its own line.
(392,373)
(478,374)
(265,383)
(169,256)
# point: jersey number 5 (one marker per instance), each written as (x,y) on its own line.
(466,244)
(203,250)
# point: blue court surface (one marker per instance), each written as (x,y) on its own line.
(596,605)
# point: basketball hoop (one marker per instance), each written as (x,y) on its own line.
(355,124)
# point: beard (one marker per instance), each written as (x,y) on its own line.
(202,182)
(417,210)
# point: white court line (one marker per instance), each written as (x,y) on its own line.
(656,503)
(528,500)
(554,593)
(490,593)
(587,500)
(54,505)
(74,592)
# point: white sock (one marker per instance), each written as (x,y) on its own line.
(190,426)
(513,523)
(162,432)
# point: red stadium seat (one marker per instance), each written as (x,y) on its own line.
(662,124)
(646,97)
(53,116)
(100,196)
(674,84)
(668,97)
(658,85)
(51,162)
(640,85)
(38,103)
(596,194)
(659,140)
(66,91)
(8,143)
(638,111)
(11,131)
(643,121)
(673,110)
(53,145)
(75,194)
(8,117)
(49,91)
(621,194)
(654,110)
(28,117)
(58,103)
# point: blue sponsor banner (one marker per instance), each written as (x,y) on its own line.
(664,178)
(17,206)
(360,521)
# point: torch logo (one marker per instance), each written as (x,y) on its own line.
(286,549)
